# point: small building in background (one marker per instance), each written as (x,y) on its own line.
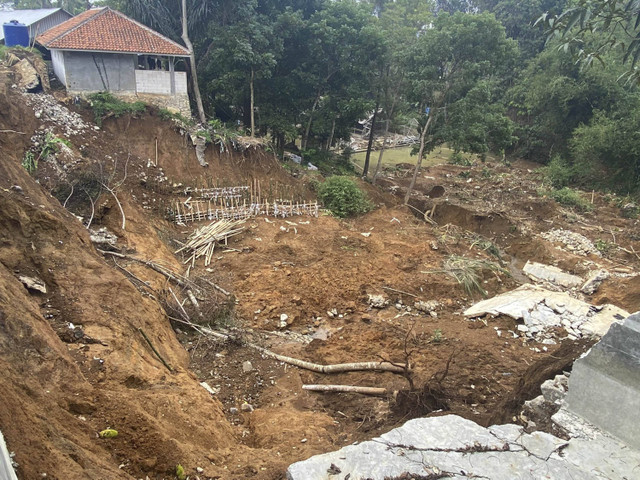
(104,50)
(38,21)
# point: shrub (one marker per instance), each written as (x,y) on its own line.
(570,198)
(343,197)
(559,173)
(104,103)
(458,158)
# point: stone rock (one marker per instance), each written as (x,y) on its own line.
(552,393)
(426,307)
(33,283)
(545,309)
(377,301)
(233,411)
(246,407)
(594,280)
(29,78)
(103,238)
(247,367)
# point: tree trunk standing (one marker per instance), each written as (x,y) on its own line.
(365,170)
(192,62)
(419,164)
(307,130)
(333,130)
(253,121)
(384,138)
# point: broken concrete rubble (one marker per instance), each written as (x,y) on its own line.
(378,301)
(33,283)
(594,280)
(454,447)
(550,274)
(542,310)
(574,242)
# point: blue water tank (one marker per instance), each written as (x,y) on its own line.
(15,33)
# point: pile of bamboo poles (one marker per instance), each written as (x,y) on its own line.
(202,242)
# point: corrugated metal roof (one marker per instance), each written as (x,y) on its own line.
(28,17)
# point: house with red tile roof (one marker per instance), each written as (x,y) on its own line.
(104,50)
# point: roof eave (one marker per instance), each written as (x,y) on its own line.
(117,51)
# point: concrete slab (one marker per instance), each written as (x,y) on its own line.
(458,448)
(547,273)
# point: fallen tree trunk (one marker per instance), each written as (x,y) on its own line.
(314,367)
(335,368)
(346,389)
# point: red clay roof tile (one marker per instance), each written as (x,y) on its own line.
(106,30)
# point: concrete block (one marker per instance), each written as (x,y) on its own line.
(604,387)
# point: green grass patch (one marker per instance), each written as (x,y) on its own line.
(104,104)
(569,198)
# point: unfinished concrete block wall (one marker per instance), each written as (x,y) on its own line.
(159,82)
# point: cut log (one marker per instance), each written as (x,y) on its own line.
(376,391)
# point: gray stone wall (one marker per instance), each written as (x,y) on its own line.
(97,72)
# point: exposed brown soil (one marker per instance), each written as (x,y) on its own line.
(62,386)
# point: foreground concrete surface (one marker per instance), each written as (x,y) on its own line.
(453,447)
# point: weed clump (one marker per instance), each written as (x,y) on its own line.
(343,197)
(570,198)
(105,104)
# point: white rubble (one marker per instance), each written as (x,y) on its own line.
(378,301)
(574,242)
(542,310)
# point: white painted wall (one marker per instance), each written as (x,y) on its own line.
(57,59)
(159,82)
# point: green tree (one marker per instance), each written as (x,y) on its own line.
(618,19)
(449,59)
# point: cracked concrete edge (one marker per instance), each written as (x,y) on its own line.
(6,466)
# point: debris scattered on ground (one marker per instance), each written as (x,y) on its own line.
(48,109)
(550,274)
(574,242)
(202,242)
(542,311)
(33,283)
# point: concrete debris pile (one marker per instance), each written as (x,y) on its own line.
(47,108)
(453,447)
(547,316)
(574,242)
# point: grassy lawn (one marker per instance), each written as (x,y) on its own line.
(393,156)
